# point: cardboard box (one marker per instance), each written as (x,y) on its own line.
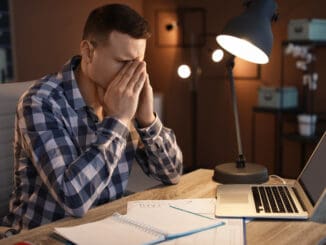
(270,97)
(307,29)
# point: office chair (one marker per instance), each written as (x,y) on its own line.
(9,95)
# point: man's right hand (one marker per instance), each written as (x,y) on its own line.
(121,96)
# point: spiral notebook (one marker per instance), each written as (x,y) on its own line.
(231,233)
(120,229)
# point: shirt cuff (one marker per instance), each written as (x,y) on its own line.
(111,126)
(151,132)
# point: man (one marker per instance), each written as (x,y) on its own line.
(79,131)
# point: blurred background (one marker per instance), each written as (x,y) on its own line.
(39,36)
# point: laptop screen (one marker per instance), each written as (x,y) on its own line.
(312,178)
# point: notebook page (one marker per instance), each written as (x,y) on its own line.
(108,231)
(196,205)
(232,233)
(172,221)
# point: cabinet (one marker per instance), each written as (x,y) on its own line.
(283,116)
(6,63)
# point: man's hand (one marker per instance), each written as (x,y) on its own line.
(145,112)
(121,96)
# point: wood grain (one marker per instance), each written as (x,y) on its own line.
(197,184)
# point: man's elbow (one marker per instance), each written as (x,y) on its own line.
(76,208)
(176,175)
(77,212)
(173,179)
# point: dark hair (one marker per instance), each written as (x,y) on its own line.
(114,17)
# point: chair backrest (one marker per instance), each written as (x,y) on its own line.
(9,95)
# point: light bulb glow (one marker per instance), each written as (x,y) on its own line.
(184,71)
(242,49)
(217,55)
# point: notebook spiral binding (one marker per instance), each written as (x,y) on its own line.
(141,226)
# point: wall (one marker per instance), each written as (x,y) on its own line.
(215,126)
(47,33)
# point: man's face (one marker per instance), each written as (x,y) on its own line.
(108,59)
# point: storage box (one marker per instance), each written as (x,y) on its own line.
(307,29)
(271,97)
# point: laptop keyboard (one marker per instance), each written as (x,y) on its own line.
(273,199)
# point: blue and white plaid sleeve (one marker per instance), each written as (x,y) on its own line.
(74,178)
(159,155)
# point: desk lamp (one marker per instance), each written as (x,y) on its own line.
(249,37)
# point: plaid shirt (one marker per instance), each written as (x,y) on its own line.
(67,161)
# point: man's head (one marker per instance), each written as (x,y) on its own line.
(114,17)
(113,35)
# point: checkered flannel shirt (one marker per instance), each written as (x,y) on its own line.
(67,161)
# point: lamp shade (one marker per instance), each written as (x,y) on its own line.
(249,36)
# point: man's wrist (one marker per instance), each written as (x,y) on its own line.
(144,123)
(149,133)
(111,126)
(124,120)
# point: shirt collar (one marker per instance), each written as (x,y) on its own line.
(70,85)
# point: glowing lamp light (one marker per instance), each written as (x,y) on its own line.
(242,49)
(184,71)
(217,55)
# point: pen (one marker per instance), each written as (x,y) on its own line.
(187,211)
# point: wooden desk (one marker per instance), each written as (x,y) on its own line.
(197,184)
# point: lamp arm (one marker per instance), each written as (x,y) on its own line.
(241,161)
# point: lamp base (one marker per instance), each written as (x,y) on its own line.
(251,173)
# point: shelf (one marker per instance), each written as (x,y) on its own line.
(276,110)
(303,139)
(287,115)
(305,42)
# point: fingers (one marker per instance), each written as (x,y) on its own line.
(119,77)
(139,84)
(131,74)
(100,93)
(137,73)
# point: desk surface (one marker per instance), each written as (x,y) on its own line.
(197,184)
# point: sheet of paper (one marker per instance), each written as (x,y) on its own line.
(200,205)
(232,233)
(229,234)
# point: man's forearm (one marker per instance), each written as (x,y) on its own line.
(160,156)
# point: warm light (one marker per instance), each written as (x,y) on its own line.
(242,49)
(217,55)
(184,71)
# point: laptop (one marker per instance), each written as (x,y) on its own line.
(297,201)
